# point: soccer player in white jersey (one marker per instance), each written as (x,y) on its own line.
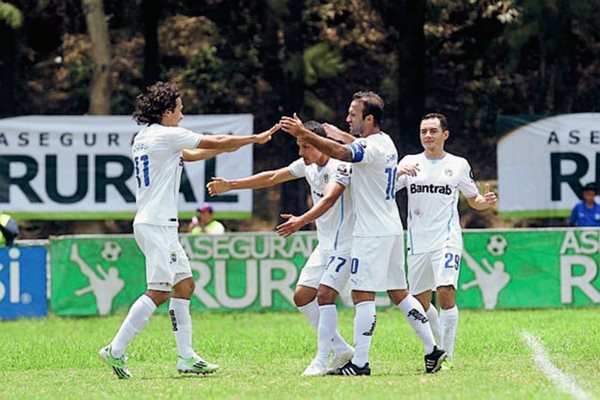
(159,150)
(332,212)
(377,246)
(433,180)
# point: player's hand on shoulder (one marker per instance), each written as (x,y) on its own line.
(218,185)
(410,170)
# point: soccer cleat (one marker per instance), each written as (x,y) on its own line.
(195,365)
(118,365)
(434,360)
(350,369)
(315,368)
(338,360)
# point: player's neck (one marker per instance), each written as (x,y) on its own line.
(436,154)
(589,204)
(324,159)
(370,131)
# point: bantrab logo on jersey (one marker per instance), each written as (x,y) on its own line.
(441,189)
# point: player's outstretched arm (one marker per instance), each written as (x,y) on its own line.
(202,154)
(257,181)
(232,143)
(332,192)
(337,134)
(484,202)
(333,149)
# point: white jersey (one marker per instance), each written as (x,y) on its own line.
(373,186)
(158,163)
(433,220)
(334,227)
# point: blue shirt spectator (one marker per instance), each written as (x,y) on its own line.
(587,211)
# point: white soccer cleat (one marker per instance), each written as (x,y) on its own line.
(338,360)
(315,368)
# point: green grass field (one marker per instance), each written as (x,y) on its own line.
(262,355)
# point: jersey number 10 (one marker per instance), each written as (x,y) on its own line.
(390,190)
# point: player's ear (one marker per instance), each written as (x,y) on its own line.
(446,134)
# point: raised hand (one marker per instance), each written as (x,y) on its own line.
(292,225)
(265,136)
(490,197)
(292,125)
(218,186)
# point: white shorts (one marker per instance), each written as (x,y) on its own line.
(428,271)
(377,263)
(327,267)
(166,261)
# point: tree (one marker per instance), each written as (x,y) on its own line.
(100,54)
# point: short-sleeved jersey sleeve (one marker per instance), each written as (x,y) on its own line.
(343,174)
(466,184)
(181,138)
(298,168)
(402,180)
(361,151)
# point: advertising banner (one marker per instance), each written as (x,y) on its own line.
(543,165)
(23,282)
(80,167)
(258,271)
(530,268)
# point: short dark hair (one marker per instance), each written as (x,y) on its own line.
(589,186)
(154,102)
(315,127)
(441,117)
(373,105)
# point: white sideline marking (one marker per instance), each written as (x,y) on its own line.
(564,381)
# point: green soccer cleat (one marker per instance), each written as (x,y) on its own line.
(118,365)
(195,365)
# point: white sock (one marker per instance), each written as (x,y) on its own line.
(326,331)
(434,323)
(138,316)
(415,316)
(449,323)
(311,312)
(179,310)
(365,320)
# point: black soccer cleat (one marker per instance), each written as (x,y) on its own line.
(350,369)
(434,360)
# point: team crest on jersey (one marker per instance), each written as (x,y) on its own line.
(326,178)
(448,172)
(173,257)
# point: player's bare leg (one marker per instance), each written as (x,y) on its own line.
(415,315)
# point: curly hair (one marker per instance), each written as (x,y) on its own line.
(151,105)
